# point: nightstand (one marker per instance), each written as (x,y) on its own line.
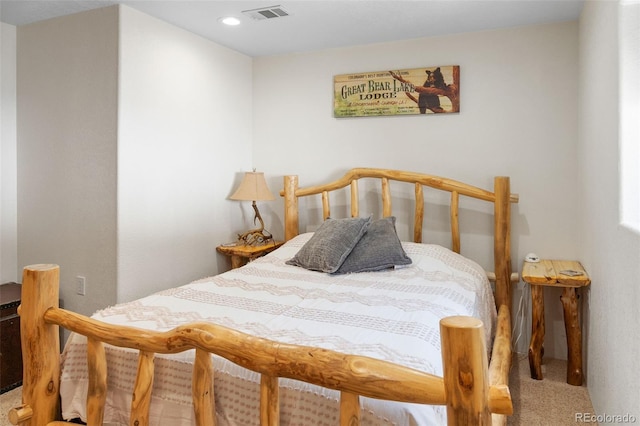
(241,254)
(570,275)
(10,346)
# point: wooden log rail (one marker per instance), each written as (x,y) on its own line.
(469,389)
(352,177)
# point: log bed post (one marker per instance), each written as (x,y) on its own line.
(290,207)
(465,367)
(40,344)
(502,241)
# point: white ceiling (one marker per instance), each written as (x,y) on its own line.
(314,25)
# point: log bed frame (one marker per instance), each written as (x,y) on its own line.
(473,391)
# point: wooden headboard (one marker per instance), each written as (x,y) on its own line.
(500,197)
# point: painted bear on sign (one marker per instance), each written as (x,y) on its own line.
(431,102)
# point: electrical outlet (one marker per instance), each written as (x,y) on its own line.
(80,285)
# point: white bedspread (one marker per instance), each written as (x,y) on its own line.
(392,315)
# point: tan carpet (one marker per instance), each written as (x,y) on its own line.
(8,400)
(547,402)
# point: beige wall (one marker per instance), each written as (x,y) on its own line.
(67,124)
(8,185)
(518,117)
(610,250)
(132,133)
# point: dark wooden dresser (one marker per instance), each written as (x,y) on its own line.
(10,349)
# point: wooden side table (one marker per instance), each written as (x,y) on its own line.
(241,254)
(570,275)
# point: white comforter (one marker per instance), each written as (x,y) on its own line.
(392,315)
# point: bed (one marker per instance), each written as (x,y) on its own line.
(297,338)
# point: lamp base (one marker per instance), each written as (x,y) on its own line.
(256,237)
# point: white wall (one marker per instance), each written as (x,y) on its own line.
(8,185)
(184,137)
(611,252)
(67,100)
(518,118)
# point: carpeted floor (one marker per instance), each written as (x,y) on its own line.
(547,402)
(8,400)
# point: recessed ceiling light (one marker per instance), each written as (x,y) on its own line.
(230,20)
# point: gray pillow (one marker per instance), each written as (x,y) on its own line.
(330,244)
(380,248)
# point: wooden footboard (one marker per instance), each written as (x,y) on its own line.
(470,389)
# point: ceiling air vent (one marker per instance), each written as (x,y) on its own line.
(269,12)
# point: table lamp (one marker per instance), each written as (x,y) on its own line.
(254,188)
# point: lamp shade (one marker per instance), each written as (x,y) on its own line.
(252,188)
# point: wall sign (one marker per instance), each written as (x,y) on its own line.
(432,90)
